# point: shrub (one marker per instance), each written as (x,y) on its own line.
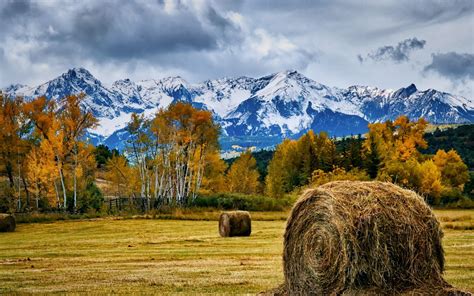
(6,200)
(450,196)
(92,198)
(234,201)
(469,186)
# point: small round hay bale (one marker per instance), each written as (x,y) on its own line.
(235,223)
(7,223)
(354,238)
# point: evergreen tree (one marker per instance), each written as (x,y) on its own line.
(373,161)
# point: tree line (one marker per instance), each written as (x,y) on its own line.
(460,138)
(47,162)
(390,152)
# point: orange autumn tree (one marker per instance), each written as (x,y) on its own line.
(397,140)
(396,144)
(191,135)
(408,137)
(42,113)
(62,127)
(75,121)
(14,145)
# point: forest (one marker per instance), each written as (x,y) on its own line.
(173,160)
(460,138)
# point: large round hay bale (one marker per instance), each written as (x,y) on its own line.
(235,223)
(359,238)
(7,223)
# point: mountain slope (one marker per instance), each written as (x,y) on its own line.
(283,104)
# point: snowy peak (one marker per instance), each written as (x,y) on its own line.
(173,83)
(99,99)
(280,82)
(128,93)
(80,74)
(405,92)
(124,85)
(13,88)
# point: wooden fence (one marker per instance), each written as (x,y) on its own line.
(117,204)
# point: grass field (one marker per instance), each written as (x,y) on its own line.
(147,256)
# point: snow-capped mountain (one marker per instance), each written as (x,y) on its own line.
(102,101)
(288,103)
(435,106)
(252,110)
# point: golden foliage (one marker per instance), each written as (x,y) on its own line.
(295,160)
(454,171)
(243,175)
(214,179)
(320,177)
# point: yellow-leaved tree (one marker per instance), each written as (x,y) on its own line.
(63,129)
(15,129)
(321,177)
(170,152)
(243,175)
(214,179)
(122,178)
(398,159)
(294,162)
(454,171)
(42,173)
(430,180)
(75,120)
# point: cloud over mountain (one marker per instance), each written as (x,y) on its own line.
(452,65)
(398,53)
(198,39)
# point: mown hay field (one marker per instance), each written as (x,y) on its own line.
(146,256)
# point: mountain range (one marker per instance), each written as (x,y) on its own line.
(252,111)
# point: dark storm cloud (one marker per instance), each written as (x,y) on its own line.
(201,38)
(452,65)
(398,53)
(420,10)
(131,30)
(217,20)
(438,11)
(15,8)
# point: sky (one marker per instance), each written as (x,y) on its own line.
(388,44)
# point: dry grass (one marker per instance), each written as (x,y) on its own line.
(456,219)
(167,257)
(208,215)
